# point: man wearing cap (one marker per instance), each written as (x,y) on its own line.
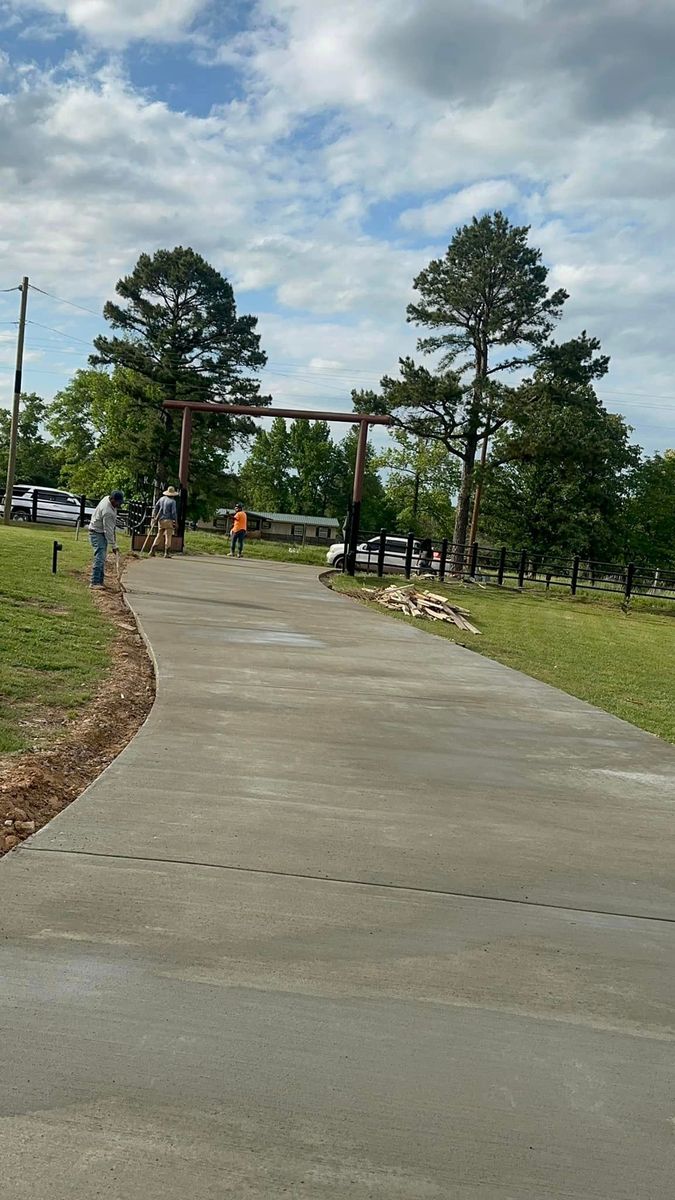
(238,531)
(102,534)
(165,516)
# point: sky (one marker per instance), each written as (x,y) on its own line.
(320,152)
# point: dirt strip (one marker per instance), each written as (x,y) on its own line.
(36,785)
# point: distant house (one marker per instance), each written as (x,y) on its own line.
(283,527)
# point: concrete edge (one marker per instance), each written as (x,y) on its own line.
(146,640)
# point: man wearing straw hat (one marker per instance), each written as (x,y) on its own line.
(165,516)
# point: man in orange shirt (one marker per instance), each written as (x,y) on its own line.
(238,530)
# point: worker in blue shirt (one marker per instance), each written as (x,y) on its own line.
(165,516)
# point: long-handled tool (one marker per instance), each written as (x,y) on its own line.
(151,535)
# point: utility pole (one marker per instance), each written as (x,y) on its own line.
(14,429)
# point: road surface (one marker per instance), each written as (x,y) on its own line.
(358,914)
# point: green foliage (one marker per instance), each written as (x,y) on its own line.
(301,469)
(181,339)
(112,433)
(265,476)
(559,476)
(37,460)
(650,512)
(376,510)
(423,476)
(318,467)
(489,290)
(181,331)
(108,435)
(426,405)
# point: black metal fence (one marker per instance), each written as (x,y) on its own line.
(390,553)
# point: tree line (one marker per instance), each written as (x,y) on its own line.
(498,433)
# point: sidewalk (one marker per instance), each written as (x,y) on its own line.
(357,914)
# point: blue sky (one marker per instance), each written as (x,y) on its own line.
(320,153)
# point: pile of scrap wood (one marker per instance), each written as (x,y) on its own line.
(421,604)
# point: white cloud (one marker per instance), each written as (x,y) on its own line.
(442,216)
(115,23)
(351,111)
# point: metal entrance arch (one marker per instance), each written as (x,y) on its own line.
(363,420)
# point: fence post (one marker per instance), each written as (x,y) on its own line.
(630,575)
(575,575)
(380,553)
(56,546)
(34,505)
(521,568)
(502,566)
(82,512)
(473,559)
(409,554)
(443,559)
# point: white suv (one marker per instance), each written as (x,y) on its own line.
(367,552)
(54,507)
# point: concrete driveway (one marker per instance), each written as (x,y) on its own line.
(357,914)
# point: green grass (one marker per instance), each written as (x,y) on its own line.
(54,644)
(218,543)
(621,662)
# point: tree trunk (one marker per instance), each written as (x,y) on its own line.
(481,376)
(479,486)
(466,485)
(463,502)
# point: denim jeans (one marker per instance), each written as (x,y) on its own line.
(100,547)
(238,542)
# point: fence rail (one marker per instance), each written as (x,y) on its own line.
(386,553)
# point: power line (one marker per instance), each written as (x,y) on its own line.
(327,373)
(56,348)
(339,376)
(71,336)
(62,300)
(31,370)
(647,395)
(16,288)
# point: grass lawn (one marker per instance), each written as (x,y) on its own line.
(623,663)
(218,543)
(54,644)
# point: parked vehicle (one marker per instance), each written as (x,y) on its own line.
(54,506)
(367,552)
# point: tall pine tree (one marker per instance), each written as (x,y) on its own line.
(484,300)
(181,336)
